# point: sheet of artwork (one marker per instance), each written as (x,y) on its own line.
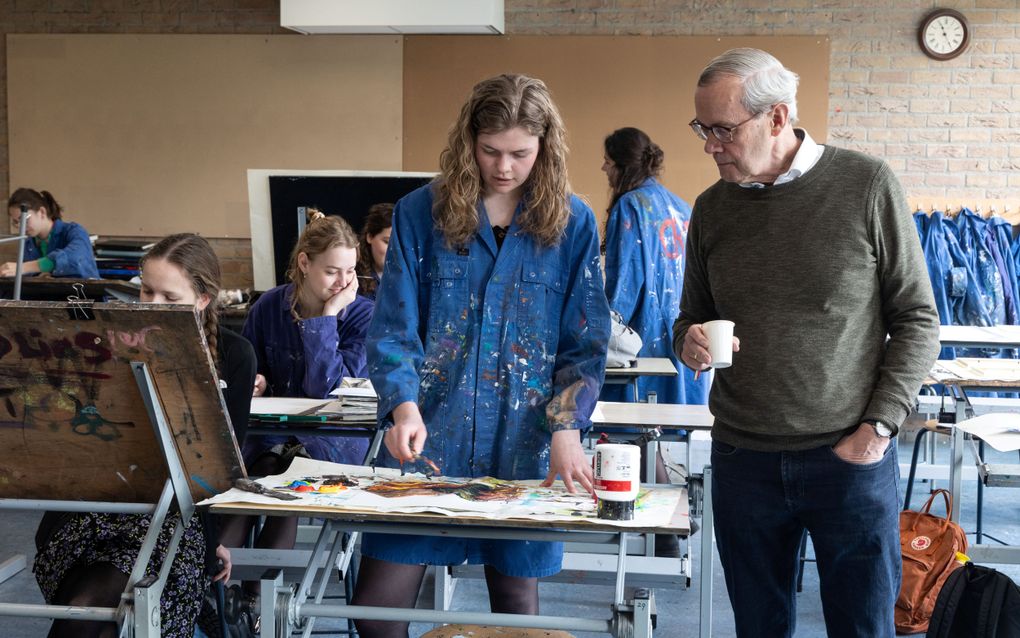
(360,488)
(1001,431)
(990,370)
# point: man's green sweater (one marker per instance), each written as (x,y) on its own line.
(815,273)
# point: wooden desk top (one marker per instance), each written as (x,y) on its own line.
(976,373)
(646,367)
(980,336)
(648,415)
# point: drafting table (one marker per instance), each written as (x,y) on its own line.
(298,417)
(1002,337)
(643,416)
(288,610)
(977,374)
(607,415)
(643,367)
(979,336)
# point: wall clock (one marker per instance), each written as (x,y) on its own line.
(944,34)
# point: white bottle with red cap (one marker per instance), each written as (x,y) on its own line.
(617,479)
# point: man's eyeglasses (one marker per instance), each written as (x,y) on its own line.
(722,133)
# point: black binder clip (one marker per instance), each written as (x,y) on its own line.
(79,307)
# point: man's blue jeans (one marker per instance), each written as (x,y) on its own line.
(764,500)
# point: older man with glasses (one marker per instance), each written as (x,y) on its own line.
(812,252)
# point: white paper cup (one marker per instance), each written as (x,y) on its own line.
(720,342)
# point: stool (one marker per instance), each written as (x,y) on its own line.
(483,631)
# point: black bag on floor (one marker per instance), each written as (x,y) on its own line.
(976,602)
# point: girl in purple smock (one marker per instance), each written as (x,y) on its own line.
(308,335)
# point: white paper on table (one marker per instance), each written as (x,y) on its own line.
(285,405)
(1000,430)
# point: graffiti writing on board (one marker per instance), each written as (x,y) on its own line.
(89,347)
(30,344)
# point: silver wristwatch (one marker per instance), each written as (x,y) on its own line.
(880,428)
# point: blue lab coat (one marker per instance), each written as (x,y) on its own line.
(308,358)
(971,231)
(498,347)
(646,234)
(69,247)
(997,238)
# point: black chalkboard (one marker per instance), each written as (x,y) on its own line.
(349,196)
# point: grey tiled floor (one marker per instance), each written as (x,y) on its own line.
(677,609)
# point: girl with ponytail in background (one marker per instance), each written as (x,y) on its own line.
(645,238)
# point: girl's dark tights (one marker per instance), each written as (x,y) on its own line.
(385,584)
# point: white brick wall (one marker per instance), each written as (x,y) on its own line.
(950,129)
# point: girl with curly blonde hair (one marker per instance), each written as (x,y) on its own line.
(488,344)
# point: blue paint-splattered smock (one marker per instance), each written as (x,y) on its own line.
(308,358)
(69,248)
(498,347)
(645,238)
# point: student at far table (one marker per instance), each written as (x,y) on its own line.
(54,247)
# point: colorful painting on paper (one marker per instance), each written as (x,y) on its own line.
(360,488)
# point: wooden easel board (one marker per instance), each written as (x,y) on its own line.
(73,424)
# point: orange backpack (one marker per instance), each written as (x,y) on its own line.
(928,545)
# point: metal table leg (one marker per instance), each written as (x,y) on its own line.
(956,457)
(707,538)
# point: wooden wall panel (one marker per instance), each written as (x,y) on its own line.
(600,83)
(153,134)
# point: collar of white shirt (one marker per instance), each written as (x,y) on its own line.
(807,156)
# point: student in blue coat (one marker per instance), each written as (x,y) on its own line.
(489,341)
(646,232)
(308,335)
(55,247)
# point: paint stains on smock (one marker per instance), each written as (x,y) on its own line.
(646,235)
(485,339)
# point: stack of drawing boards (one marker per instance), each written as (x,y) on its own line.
(385,494)
(354,401)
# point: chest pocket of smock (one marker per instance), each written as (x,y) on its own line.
(448,307)
(540,300)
